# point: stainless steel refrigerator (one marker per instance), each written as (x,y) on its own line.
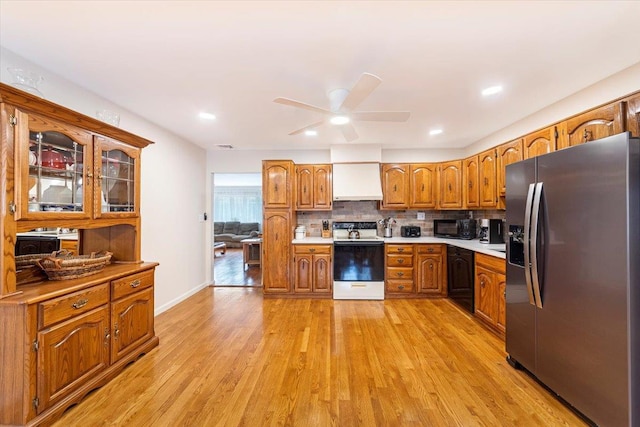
(573,275)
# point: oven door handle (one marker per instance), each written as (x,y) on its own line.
(358,243)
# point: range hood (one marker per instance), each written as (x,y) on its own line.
(356,181)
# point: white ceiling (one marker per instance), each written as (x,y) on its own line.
(168,60)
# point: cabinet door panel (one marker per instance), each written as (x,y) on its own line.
(430,274)
(322,187)
(276,247)
(633,115)
(52,160)
(485,304)
(303,266)
(423,188)
(304,175)
(70,354)
(116,192)
(277,183)
(508,153)
(322,274)
(501,288)
(395,186)
(595,124)
(131,322)
(541,142)
(451,185)
(471,190)
(487,178)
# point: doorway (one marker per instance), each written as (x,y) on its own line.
(237,215)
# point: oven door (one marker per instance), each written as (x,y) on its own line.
(361,262)
(358,270)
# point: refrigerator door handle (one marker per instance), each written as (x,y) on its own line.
(527,243)
(534,244)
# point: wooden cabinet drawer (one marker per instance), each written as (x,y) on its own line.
(399,273)
(430,249)
(496,264)
(400,249)
(399,260)
(68,306)
(399,286)
(130,284)
(309,249)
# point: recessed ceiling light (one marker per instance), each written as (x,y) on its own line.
(207,116)
(435,132)
(339,120)
(311,132)
(491,90)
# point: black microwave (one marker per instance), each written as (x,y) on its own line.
(455,228)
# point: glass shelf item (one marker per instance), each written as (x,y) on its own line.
(26,80)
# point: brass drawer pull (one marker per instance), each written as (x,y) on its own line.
(135,283)
(80,303)
(400,261)
(400,274)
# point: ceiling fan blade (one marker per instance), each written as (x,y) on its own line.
(294,103)
(363,87)
(311,126)
(381,116)
(349,132)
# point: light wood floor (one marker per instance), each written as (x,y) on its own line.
(229,270)
(227,357)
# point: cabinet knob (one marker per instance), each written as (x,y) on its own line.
(135,283)
(312,250)
(400,274)
(401,287)
(400,249)
(395,187)
(431,266)
(430,250)
(482,283)
(449,187)
(400,261)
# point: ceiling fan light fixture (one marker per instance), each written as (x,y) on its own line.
(339,120)
(434,132)
(311,132)
(491,90)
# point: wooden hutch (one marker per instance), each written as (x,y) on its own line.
(61,339)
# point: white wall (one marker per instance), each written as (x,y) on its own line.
(173,188)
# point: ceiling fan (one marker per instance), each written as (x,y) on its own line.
(343,104)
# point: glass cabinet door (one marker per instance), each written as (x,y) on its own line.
(117,186)
(51,165)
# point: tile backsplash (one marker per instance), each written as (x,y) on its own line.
(368,211)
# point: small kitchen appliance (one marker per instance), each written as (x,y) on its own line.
(491,231)
(301,232)
(464,229)
(410,231)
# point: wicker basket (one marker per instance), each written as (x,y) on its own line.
(72,267)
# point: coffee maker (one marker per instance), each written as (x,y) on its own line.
(491,231)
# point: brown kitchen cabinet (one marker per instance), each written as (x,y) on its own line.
(487,178)
(451,185)
(313,269)
(490,288)
(594,124)
(314,187)
(508,153)
(277,184)
(540,142)
(395,186)
(56,337)
(471,189)
(276,250)
(399,274)
(430,270)
(423,186)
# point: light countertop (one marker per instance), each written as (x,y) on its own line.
(474,245)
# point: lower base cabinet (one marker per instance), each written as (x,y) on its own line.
(415,270)
(313,269)
(490,288)
(80,334)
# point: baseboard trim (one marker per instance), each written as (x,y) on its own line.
(180,298)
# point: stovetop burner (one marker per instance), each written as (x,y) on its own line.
(367,230)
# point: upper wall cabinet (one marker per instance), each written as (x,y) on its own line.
(487,178)
(595,124)
(451,185)
(277,177)
(633,115)
(423,188)
(314,187)
(540,142)
(470,190)
(508,153)
(395,186)
(116,192)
